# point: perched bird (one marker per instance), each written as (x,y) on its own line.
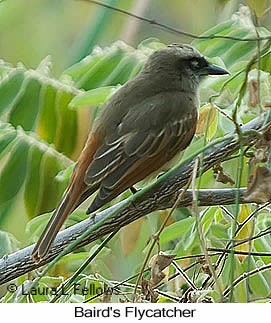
(142,127)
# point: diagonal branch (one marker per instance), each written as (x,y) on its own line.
(162,195)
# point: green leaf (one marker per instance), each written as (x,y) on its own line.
(93,97)
(66,143)
(9,88)
(35,226)
(13,174)
(111,66)
(8,243)
(207,218)
(37,102)
(5,68)
(258,7)
(25,110)
(73,257)
(257,282)
(49,280)
(47,125)
(220,232)
(64,175)
(50,189)
(32,165)
(33,181)
(7,135)
(96,76)
(176,230)
(231,52)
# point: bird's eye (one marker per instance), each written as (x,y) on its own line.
(195,64)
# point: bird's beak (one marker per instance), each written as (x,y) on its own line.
(211,69)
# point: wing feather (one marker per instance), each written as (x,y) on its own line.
(138,148)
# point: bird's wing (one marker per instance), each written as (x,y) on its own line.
(147,137)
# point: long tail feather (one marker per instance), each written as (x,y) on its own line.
(75,194)
(64,208)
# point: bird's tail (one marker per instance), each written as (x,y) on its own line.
(66,205)
(75,194)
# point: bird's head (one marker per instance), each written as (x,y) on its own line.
(181,62)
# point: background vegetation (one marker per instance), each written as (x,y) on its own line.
(48,104)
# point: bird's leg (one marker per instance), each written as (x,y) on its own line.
(93,218)
(133,190)
(161,174)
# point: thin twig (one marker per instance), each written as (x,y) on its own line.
(125,283)
(244,276)
(185,276)
(225,251)
(258,64)
(175,30)
(156,238)
(249,255)
(225,114)
(246,253)
(221,258)
(199,226)
(197,256)
(122,283)
(224,209)
(254,60)
(252,214)
(130,29)
(259,235)
(173,298)
(64,287)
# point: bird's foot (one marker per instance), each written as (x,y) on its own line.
(92,217)
(133,190)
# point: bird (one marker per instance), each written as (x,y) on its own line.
(142,127)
